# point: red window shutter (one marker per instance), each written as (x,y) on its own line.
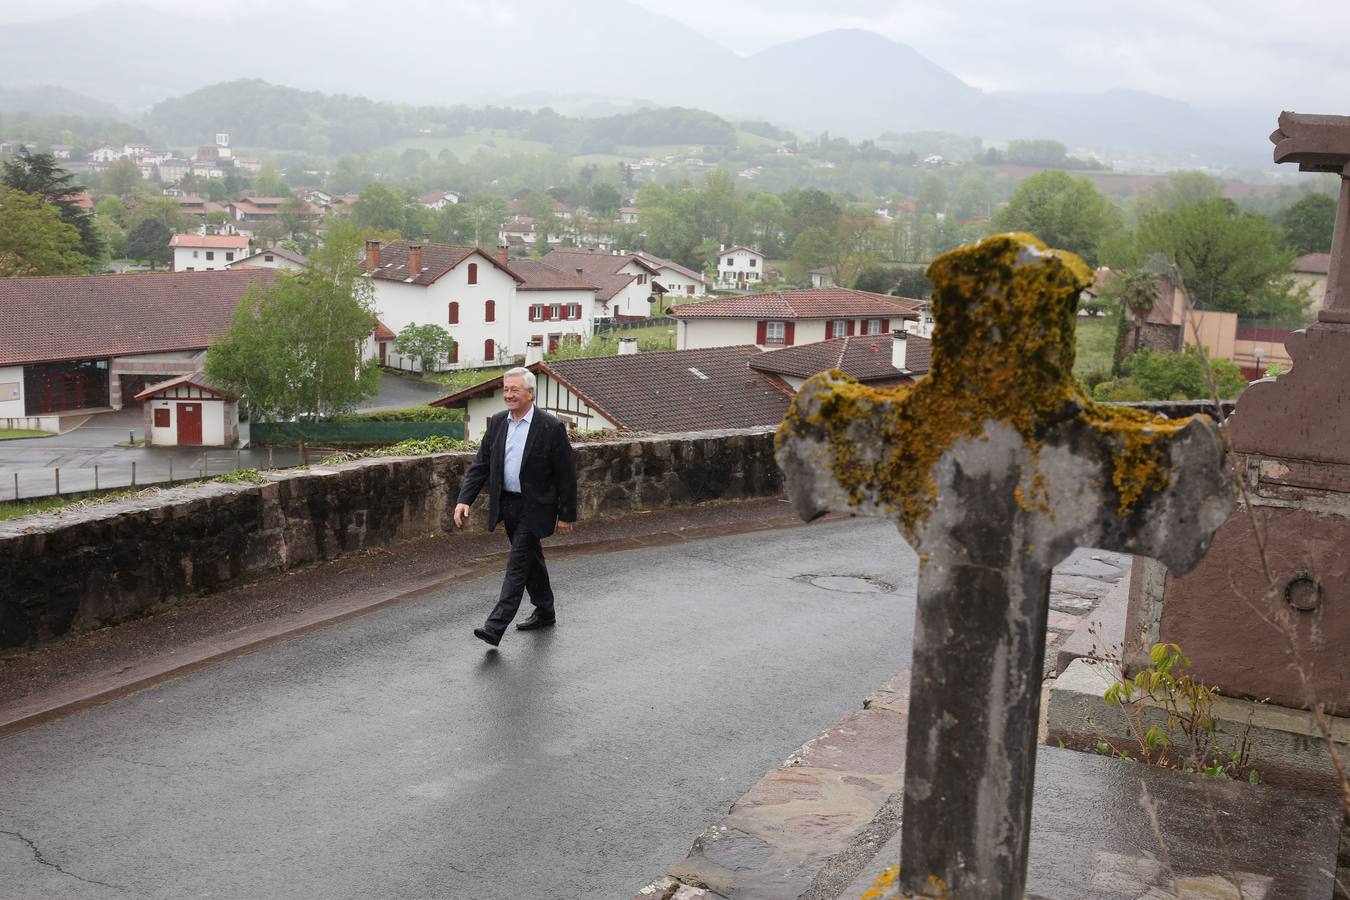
(489,349)
(788,329)
(548,312)
(885,326)
(762,333)
(454,352)
(490,314)
(848,328)
(473,273)
(453,318)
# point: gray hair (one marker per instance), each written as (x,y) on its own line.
(524,375)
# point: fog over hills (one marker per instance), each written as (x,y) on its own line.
(538,52)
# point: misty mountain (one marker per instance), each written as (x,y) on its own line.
(617,56)
(50,100)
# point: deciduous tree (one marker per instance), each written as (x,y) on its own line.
(150,241)
(1309,223)
(294,348)
(1066,212)
(1231,261)
(428,344)
(34,240)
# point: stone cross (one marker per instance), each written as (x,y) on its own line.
(1322,144)
(995,467)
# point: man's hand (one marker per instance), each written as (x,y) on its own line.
(461,514)
(564,527)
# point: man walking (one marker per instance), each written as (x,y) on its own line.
(525,459)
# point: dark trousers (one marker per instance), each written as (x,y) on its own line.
(525,569)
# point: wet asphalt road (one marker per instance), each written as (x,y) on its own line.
(394,756)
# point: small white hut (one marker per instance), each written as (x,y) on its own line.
(190,411)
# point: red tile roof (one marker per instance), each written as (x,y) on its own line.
(383,332)
(1313,264)
(97,316)
(211,241)
(540,276)
(196,379)
(863,357)
(437,259)
(599,268)
(820,303)
(659,263)
(684,390)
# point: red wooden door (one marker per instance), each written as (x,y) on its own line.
(384,353)
(190,423)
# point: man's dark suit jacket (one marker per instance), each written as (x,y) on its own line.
(548,475)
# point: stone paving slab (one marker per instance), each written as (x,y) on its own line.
(1107,829)
(787,828)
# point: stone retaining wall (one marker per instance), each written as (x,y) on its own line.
(88,567)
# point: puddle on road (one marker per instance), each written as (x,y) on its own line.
(848,584)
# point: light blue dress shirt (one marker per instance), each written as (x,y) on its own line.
(517,430)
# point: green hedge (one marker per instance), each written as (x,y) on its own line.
(406,414)
(365,432)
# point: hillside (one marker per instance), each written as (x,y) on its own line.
(851,83)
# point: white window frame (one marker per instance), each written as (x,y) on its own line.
(838,328)
(874,326)
(770,337)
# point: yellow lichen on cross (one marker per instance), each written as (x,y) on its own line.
(1002,350)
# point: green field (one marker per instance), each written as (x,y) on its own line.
(464,146)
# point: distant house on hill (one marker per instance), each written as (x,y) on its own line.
(439,199)
(786,318)
(692,390)
(739,267)
(92,342)
(822,278)
(206,252)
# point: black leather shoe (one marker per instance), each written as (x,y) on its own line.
(534,622)
(487,637)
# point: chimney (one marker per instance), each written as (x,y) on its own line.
(899,346)
(628,346)
(503,255)
(414,260)
(372,255)
(534,352)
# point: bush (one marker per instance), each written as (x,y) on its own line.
(424,413)
(1149,375)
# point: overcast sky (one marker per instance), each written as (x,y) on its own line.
(1275,54)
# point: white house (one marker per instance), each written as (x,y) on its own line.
(628,215)
(105,154)
(739,267)
(206,252)
(557,307)
(701,390)
(822,278)
(465,290)
(437,200)
(788,318)
(624,283)
(273,258)
(675,278)
(190,411)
